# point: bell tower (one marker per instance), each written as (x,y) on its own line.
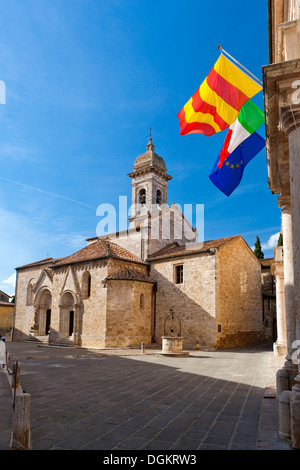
(149,185)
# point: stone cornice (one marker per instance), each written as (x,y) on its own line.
(145,170)
(284,203)
(279,88)
(277,269)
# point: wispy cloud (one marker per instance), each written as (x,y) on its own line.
(9,284)
(15,151)
(271,243)
(74,241)
(260,231)
(248,188)
(59,196)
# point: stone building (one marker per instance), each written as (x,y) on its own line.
(282,113)
(119,289)
(6,313)
(268,285)
(280,346)
(215,289)
(4,297)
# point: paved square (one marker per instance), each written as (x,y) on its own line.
(128,400)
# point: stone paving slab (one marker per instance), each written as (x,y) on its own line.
(5,412)
(126,400)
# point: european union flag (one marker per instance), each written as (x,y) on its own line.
(229,176)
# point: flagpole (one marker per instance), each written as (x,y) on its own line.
(248,71)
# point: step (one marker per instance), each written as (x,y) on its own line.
(64,342)
(38,339)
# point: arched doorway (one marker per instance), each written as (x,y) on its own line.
(67,315)
(42,320)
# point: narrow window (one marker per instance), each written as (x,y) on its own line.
(89,286)
(86,285)
(179,274)
(158,197)
(142,301)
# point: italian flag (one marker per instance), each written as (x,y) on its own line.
(250,118)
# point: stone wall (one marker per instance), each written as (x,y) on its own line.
(109,316)
(219,302)
(128,320)
(6,317)
(269,300)
(127,324)
(193,301)
(165,226)
(169,226)
(239,298)
(90,310)
(130,239)
(24,307)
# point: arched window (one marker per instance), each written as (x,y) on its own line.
(142,301)
(142,196)
(158,197)
(86,285)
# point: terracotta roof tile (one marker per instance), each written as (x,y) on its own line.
(266,262)
(130,275)
(97,250)
(36,263)
(176,250)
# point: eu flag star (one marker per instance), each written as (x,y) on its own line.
(228,176)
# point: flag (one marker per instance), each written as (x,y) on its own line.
(218,100)
(250,118)
(229,175)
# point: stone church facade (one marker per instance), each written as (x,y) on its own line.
(119,290)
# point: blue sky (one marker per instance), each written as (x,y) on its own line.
(85,80)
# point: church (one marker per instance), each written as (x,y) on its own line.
(121,289)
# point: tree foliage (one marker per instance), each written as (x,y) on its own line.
(257,249)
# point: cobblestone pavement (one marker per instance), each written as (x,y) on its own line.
(125,400)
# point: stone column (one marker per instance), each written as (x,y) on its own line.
(280,347)
(290,117)
(76,330)
(285,376)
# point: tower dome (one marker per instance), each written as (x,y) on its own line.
(149,158)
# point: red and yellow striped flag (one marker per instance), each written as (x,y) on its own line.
(218,100)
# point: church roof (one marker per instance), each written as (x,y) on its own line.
(37,263)
(97,250)
(175,250)
(130,275)
(6,304)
